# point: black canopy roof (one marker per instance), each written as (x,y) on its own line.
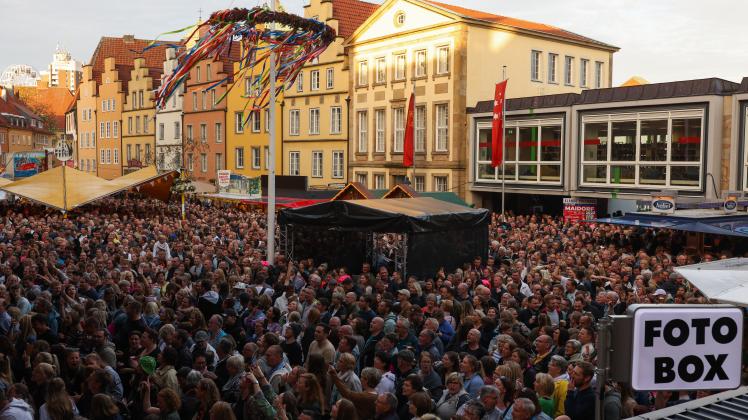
(395,215)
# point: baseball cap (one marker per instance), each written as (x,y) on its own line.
(405,292)
(660,292)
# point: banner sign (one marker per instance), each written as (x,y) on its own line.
(731,202)
(677,347)
(663,202)
(224,178)
(26,164)
(579,209)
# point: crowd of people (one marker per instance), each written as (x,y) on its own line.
(124,310)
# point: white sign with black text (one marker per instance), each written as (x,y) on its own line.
(686,348)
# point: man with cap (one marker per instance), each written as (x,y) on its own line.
(202,346)
(405,337)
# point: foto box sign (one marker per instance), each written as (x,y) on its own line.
(224,178)
(688,348)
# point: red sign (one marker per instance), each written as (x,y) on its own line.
(579,209)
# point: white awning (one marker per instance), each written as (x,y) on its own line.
(723,280)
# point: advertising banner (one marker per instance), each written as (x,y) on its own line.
(579,209)
(224,178)
(26,164)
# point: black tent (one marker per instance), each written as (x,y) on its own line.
(434,233)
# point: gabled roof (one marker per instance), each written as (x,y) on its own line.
(353,191)
(124,50)
(351,14)
(54,101)
(540,28)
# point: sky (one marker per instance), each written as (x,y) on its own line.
(660,40)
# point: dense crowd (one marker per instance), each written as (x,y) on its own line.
(123,310)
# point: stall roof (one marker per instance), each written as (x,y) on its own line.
(420,214)
(691,220)
(725,405)
(723,280)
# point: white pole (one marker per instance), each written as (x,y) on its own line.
(271,156)
(503,148)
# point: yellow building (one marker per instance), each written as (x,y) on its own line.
(87,128)
(451,57)
(248,131)
(138,118)
(315,119)
(109,116)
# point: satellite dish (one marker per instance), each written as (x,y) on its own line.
(63,151)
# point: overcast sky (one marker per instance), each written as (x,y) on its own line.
(660,40)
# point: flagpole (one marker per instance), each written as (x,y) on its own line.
(503,150)
(414,135)
(271,158)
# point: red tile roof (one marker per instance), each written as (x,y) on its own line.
(518,23)
(53,102)
(125,50)
(351,14)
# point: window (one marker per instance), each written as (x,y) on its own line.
(108,129)
(104,106)
(137,124)
(300,82)
(314,121)
(380,68)
(552,63)
(255,120)
(134,100)
(255,158)
(212,99)
(419,183)
(247,86)
(102,158)
(646,150)
(598,74)
(194,101)
(267,120)
(379,183)
(177,130)
(190,160)
(267,156)
(363,73)
(398,123)
(102,130)
(129,125)
(420,69)
(442,60)
(140,99)
(294,121)
(204,133)
(293,163)
(239,157)
(203,162)
(568,68)
(238,122)
(189,133)
(314,79)
(330,78)
(316,164)
(161,130)
(361,179)
(379,127)
(337,164)
(197,73)
(116,156)
(207,72)
(442,127)
(219,132)
(420,128)
(440,183)
(128,154)
(363,133)
(203,103)
(138,153)
(336,119)
(583,64)
(108,156)
(400,67)
(535,66)
(219,161)
(115,129)
(532,152)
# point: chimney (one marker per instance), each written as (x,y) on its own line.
(129,39)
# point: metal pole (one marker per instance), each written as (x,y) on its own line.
(503,150)
(271,156)
(603,365)
(64,187)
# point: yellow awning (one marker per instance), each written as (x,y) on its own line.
(77,189)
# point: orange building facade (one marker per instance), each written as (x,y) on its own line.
(109,118)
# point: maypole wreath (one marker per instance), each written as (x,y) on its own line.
(295,42)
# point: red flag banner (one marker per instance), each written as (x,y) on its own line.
(497,128)
(409,133)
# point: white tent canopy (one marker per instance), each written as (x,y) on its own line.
(723,280)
